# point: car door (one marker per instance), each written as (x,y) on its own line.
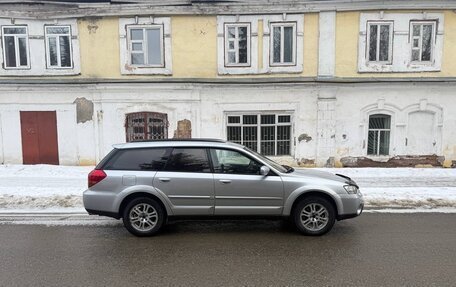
(187,181)
(240,189)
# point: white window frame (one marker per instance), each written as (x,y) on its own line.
(401,45)
(236,44)
(282,26)
(377,131)
(144,43)
(57,36)
(420,40)
(126,68)
(390,39)
(259,125)
(16,46)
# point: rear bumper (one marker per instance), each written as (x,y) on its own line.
(103,213)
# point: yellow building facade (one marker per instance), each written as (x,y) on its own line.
(328,84)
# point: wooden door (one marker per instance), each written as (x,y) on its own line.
(39,138)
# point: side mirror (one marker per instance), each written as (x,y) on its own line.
(264,170)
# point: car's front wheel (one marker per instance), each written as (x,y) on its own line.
(143,216)
(314,215)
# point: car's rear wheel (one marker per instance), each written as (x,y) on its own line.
(143,216)
(314,215)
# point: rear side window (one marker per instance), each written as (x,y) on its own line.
(138,159)
(188,160)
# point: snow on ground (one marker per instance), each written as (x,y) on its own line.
(47,188)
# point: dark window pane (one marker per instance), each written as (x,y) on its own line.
(242,45)
(427,43)
(154,47)
(231,32)
(268,140)
(288,44)
(234,134)
(23,59)
(416,30)
(268,119)
(384,42)
(373,42)
(138,159)
(250,137)
(372,143)
(14,30)
(284,119)
(249,119)
(276,44)
(188,160)
(234,119)
(65,53)
(233,162)
(52,51)
(415,55)
(10,51)
(379,122)
(57,30)
(384,142)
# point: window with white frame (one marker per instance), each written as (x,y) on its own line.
(145,45)
(237,45)
(379,134)
(58,47)
(15,47)
(379,42)
(269,134)
(422,39)
(283,44)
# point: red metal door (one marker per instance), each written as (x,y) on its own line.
(39,138)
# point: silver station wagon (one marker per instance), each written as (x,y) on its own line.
(146,183)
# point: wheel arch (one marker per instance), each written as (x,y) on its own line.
(138,194)
(312,192)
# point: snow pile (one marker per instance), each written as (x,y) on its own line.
(59,188)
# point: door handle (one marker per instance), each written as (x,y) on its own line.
(225,181)
(164,179)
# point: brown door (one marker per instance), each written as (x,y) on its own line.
(39,138)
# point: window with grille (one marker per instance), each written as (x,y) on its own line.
(379,41)
(379,134)
(146,126)
(268,134)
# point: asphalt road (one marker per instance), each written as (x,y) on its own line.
(372,250)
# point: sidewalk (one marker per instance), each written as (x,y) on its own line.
(58,189)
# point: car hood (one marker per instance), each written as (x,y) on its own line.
(319,175)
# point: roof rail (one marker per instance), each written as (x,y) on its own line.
(185,140)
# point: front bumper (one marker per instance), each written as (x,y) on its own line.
(352,206)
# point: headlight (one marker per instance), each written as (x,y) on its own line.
(351,189)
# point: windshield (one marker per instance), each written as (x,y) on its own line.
(268,161)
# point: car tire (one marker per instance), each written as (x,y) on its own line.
(314,216)
(143,216)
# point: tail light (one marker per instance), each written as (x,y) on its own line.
(95,176)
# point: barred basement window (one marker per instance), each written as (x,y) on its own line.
(379,134)
(269,134)
(146,126)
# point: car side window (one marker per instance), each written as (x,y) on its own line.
(233,162)
(138,159)
(188,160)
